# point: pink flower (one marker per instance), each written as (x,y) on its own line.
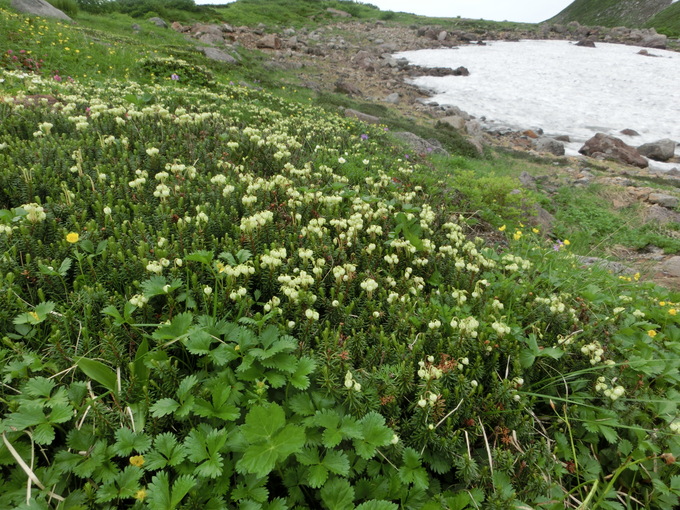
(57,77)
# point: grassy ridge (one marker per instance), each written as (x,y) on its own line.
(610,13)
(667,21)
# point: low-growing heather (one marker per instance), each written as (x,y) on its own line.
(217,298)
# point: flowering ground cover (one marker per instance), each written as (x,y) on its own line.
(214,297)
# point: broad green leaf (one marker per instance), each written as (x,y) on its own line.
(178,327)
(375,434)
(338,494)
(317,476)
(202,256)
(336,462)
(299,379)
(262,422)
(100,373)
(412,470)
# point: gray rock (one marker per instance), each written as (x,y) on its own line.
(550,145)
(629,132)
(270,41)
(671,266)
(657,41)
(442,35)
(473,128)
(609,265)
(420,145)
(364,117)
(455,121)
(660,215)
(661,150)
(664,200)
(613,148)
(211,39)
(217,55)
(586,43)
(347,88)
(527,180)
(158,22)
(392,98)
(38,8)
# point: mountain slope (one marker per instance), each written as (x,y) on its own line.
(667,21)
(631,13)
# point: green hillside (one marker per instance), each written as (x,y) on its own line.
(611,13)
(667,21)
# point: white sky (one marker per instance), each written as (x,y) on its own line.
(528,11)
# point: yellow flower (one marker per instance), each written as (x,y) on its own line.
(662,303)
(502,229)
(517,235)
(651,333)
(137,460)
(535,230)
(672,311)
(140,494)
(636,276)
(72,237)
(566,242)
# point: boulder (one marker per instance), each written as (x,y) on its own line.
(347,88)
(661,150)
(364,117)
(392,98)
(158,22)
(454,121)
(629,132)
(217,55)
(671,266)
(657,41)
(211,39)
(614,148)
(664,200)
(270,41)
(550,145)
(38,8)
(420,145)
(659,215)
(586,43)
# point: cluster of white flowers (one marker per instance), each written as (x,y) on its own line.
(369,285)
(428,371)
(467,326)
(594,351)
(675,426)
(34,212)
(138,300)
(515,263)
(260,219)
(152,151)
(274,258)
(500,328)
(556,305)
(139,180)
(430,398)
(344,272)
(272,304)
(350,383)
(311,314)
(613,392)
(238,294)
(291,286)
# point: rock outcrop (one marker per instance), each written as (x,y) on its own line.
(610,147)
(38,8)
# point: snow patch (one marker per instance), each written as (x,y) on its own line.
(561,88)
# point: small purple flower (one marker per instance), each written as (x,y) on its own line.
(364,136)
(174,77)
(558,245)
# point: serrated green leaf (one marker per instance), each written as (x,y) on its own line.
(164,407)
(308,456)
(299,379)
(43,434)
(259,459)
(317,476)
(262,422)
(338,494)
(167,452)
(412,470)
(128,441)
(337,462)
(178,327)
(302,404)
(374,435)
(202,256)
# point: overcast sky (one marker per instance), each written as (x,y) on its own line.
(528,11)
